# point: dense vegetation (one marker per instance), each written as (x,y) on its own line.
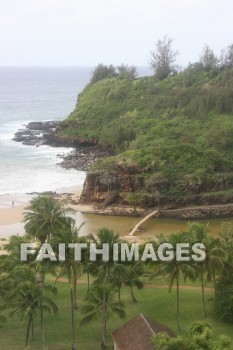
(177,131)
(28,289)
(199,337)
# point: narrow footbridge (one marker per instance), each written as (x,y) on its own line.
(136,227)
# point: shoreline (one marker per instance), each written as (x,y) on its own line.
(11,218)
(12,205)
(13,213)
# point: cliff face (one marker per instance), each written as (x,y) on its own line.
(171,140)
(116,185)
(112,186)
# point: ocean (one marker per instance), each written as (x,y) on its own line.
(36,94)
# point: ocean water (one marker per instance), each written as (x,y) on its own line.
(36,94)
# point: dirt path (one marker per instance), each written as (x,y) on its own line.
(153,285)
(164,286)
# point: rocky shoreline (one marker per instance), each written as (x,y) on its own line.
(36,133)
(83,154)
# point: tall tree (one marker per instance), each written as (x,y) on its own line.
(163,58)
(118,277)
(70,267)
(175,270)
(23,295)
(208,59)
(100,303)
(102,72)
(226,58)
(43,217)
(103,271)
(126,72)
(134,271)
(215,256)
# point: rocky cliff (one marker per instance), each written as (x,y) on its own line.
(169,143)
(128,186)
(112,186)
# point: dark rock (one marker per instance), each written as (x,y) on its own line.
(83,157)
(85,151)
(36,133)
(45,193)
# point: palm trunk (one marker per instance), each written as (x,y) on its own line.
(178,303)
(214,280)
(73,319)
(28,330)
(88,281)
(42,336)
(134,300)
(75,292)
(33,333)
(203,292)
(104,330)
(119,294)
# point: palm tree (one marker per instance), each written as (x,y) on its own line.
(118,277)
(73,269)
(134,270)
(100,301)
(90,267)
(23,296)
(175,270)
(103,269)
(43,218)
(12,257)
(215,256)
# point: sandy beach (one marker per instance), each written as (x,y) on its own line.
(12,208)
(10,216)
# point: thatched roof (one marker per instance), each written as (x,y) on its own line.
(136,334)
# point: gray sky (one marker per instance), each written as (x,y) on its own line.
(86,32)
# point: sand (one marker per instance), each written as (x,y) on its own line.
(11,215)
(12,208)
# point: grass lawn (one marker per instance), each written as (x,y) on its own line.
(156,303)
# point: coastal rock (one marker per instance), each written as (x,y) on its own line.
(35,133)
(83,157)
(85,151)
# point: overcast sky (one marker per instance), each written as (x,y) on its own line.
(86,32)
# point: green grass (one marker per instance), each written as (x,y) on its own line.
(156,303)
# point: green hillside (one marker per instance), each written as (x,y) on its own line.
(178,133)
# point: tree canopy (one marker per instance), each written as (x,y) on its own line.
(163,58)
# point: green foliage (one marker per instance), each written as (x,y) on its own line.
(43,217)
(224,297)
(208,59)
(180,128)
(226,58)
(93,307)
(134,199)
(200,337)
(126,72)
(163,58)
(118,136)
(101,72)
